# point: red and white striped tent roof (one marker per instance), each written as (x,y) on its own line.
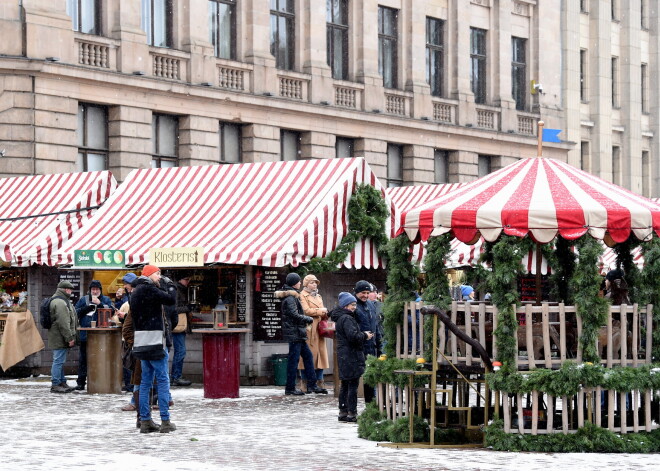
(536,196)
(269,214)
(39,213)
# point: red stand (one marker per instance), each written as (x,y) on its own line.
(221,351)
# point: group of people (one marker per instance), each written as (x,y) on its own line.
(148,309)
(358,333)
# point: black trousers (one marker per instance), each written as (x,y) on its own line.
(348,395)
(82,364)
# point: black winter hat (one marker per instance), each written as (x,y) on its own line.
(292,279)
(95,284)
(362,286)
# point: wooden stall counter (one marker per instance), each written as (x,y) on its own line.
(104,366)
(221,359)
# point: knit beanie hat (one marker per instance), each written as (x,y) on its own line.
(95,284)
(65,285)
(346,298)
(292,279)
(308,279)
(129,278)
(362,286)
(149,270)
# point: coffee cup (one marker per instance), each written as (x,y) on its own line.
(93,324)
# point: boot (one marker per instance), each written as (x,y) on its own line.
(321,384)
(148,426)
(167,426)
(313,388)
(351,417)
(302,386)
(136,397)
(342,416)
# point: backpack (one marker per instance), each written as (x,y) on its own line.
(44,312)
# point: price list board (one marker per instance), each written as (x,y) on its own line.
(73,277)
(267,315)
(527,287)
(241,307)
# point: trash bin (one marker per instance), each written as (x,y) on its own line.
(280,361)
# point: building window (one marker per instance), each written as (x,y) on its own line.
(615,82)
(646,174)
(394,165)
(92,137)
(616,165)
(584,6)
(337,24)
(222,28)
(435,64)
(645,88)
(615,9)
(387,45)
(282,33)
(519,72)
(85,15)
(484,165)
(583,75)
(230,143)
(344,147)
(441,166)
(584,156)
(644,12)
(289,145)
(157,22)
(478,64)
(165,141)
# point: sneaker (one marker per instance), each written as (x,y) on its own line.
(65,385)
(148,426)
(342,416)
(167,426)
(60,389)
(294,392)
(181,382)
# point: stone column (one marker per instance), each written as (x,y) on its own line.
(17,119)
(195,39)
(260,143)
(459,70)
(48,31)
(415,60)
(501,63)
(129,139)
(374,152)
(198,141)
(55,143)
(366,37)
(133,55)
(314,52)
(570,30)
(418,165)
(11,27)
(654,100)
(463,166)
(255,15)
(317,145)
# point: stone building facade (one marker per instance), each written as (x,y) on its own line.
(426,90)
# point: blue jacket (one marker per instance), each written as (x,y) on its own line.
(367,317)
(86,312)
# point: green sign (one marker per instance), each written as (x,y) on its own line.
(99,258)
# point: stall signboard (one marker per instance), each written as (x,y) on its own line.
(177,256)
(241,296)
(96,258)
(267,315)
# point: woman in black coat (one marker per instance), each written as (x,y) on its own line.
(350,354)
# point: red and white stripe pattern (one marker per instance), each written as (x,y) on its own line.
(264,214)
(539,196)
(39,213)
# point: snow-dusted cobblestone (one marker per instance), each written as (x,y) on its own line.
(262,430)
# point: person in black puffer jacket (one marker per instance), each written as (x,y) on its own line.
(294,330)
(350,354)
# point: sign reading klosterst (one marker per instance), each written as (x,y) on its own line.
(177,256)
(99,259)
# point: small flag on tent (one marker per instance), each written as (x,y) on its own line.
(551,135)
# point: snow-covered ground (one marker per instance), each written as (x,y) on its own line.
(262,430)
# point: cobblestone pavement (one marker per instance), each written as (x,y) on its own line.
(261,430)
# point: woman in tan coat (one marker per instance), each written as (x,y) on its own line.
(312,304)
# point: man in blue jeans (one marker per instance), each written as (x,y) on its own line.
(150,329)
(294,330)
(62,334)
(179,338)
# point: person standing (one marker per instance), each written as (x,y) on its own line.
(294,330)
(350,354)
(62,334)
(179,338)
(368,321)
(150,329)
(127,279)
(86,309)
(312,304)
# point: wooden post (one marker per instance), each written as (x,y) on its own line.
(529,326)
(562,333)
(551,414)
(545,317)
(535,412)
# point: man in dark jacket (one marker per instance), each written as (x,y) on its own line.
(179,338)
(150,329)
(294,330)
(86,309)
(62,334)
(368,320)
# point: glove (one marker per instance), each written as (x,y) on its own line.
(308,319)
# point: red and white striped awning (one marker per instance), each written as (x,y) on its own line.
(268,214)
(39,213)
(540,197)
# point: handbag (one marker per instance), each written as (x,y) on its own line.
(326,329)
(181,324)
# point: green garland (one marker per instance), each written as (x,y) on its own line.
(507,257)
(624,258)
(381,370)
(437,287)
(367,215)
(585,285)
(649,282)
(562,260)
(401,283)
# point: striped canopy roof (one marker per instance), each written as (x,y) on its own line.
(268,214)
(540,197)
(39,213)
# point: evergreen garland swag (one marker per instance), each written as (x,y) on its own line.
(367,215)
(437,283)
(649,291)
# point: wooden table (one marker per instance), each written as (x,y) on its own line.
(221,359)
(104,366)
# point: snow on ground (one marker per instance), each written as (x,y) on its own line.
(261,430)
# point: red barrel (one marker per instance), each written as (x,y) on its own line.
(222,361)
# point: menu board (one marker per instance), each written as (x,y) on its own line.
(73,277)
(527,288)
(241,307)
(267,315)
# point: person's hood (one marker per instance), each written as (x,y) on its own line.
(63,294)
(339,312)
(287,291)
(143,280)
(95,284)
